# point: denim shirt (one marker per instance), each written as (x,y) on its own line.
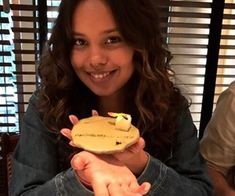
(36,168)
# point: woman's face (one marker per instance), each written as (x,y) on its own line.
(100,57)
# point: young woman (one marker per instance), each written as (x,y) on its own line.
(108,55)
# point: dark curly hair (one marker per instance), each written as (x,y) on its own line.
(152,98)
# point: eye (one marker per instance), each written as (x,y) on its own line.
(80,42)
(113,40)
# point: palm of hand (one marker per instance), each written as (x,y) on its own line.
(103,167)
(106,175)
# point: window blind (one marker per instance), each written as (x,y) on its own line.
(26,38)
(7,97)
(226,62)
(52,12)
(187,35)
(22,53)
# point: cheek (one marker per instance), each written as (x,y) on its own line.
(75,61)
(125,58)
(129,64)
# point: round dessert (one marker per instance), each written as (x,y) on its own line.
(105,135)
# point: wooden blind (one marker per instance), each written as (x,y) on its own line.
(25,31)
(187,36)
(21,26)
(7,77)
(52,12)
(226,62)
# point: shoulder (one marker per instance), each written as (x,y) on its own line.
(218,140)
(179,103)
(185,127)
(34,98)
(229,92)
(182,107)
(232,87)
(226,103)
(33,105)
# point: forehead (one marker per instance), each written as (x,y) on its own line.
(92,14)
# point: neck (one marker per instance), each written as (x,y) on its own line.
(114,103)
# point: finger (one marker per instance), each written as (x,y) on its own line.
(134,186)
(73,119)
(128,192)
(143,188)
(72,144)
(139,145)
(130,151)
(115,190)
(94,113)
(100,189)
(78,162)
(121,190)
(66,132)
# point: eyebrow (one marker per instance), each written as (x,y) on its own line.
(104,32)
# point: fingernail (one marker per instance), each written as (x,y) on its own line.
(147,187)
(94,112)
(71,119)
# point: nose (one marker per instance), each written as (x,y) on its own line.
(98,58)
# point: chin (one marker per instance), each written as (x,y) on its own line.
(102,92)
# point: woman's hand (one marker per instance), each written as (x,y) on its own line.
(74,120)
(107,175)
(67,132)
(134,157)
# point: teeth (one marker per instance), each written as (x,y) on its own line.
(100,76)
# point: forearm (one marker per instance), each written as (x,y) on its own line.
(165,181)
(137,164)
(221,186)
(64,183)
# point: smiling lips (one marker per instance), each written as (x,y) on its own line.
(101,75)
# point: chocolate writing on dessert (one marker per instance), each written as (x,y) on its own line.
(101,135)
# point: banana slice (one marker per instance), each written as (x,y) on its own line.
(123,121)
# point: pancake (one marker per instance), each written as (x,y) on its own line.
(100,135)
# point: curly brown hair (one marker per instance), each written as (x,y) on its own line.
(152,98)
